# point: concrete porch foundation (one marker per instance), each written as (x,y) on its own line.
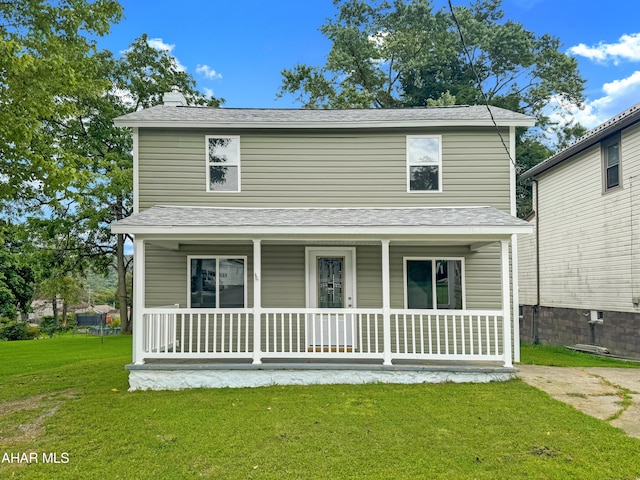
(158,376)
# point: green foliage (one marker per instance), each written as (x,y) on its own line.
(12,330)
(16,275)
(565,357)
(46,63)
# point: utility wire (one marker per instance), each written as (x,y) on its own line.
(475,73)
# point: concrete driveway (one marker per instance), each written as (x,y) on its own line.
(610,394)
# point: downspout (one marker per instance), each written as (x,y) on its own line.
(536,307)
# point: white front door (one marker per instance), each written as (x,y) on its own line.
(330,281)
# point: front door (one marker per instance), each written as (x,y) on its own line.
(330,278)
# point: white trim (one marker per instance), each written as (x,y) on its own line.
(217,258)
(310,284)
(506,298)
(136,171)
(386,301)
(138,300)
(257,301)
(409,164)
(463,279)
(515,296)
(512,171)
(207,165)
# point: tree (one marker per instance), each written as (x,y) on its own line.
(45,63)
(16,275)
(104,190)
(404,54)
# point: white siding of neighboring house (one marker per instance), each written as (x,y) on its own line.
(527,267)
(589,258)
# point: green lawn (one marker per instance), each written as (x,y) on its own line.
(68,396)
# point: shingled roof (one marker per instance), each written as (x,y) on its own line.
(602,131)
(164,219)
(190,117)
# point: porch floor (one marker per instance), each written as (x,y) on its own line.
(158,374)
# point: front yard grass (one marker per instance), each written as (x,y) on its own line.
(68,395)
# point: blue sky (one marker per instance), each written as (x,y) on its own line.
(236,49)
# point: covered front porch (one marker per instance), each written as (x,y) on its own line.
(331,306)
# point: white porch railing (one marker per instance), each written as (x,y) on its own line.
(311,333)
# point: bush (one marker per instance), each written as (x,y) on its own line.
(33,332)
(48,325)
(13,331)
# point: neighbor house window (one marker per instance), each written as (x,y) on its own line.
(611,162)
(434,283)
(223,164)
(424,163)
(217,282)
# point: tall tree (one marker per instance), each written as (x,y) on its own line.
(104,191)
(46,50)
(17,276)
(404,53)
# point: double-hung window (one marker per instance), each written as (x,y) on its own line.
(611,163)
(434,283)
(217,282)
(424,163)
(223,163)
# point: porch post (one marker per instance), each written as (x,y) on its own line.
(386,304)
(506,300)
(138,300)
(257,300)
(515,295)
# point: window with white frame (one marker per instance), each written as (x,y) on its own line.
(427,279)
(424,163)
(611,162)
(217,282)
(223,163)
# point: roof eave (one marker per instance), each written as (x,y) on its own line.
(121,122)
(324,231)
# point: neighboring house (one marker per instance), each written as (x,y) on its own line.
(321,246)
(585,288)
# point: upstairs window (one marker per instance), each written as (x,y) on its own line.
(424,163)
(223,164)
(611,163)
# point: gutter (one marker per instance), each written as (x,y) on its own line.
(536,307)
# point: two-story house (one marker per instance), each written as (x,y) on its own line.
(322,246)
(579,272)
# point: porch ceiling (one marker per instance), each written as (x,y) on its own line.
(337,223)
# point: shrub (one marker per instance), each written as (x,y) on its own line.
(13,331)
(32,332)
(48,325)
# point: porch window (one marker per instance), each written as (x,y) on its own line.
(223,164)
(217,282)
(611,162)
(424,163)
(427,279)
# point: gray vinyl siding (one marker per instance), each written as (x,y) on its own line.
(589,240)
(285,169)
(283,274)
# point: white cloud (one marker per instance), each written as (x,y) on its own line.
(208,72)
(162,46)
(627,48)
(618,96)
(208,92)
(159,44)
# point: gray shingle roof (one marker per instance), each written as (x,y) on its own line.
(602,131)
(164,218)
(186,116)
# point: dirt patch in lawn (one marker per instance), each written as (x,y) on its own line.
(23,421)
